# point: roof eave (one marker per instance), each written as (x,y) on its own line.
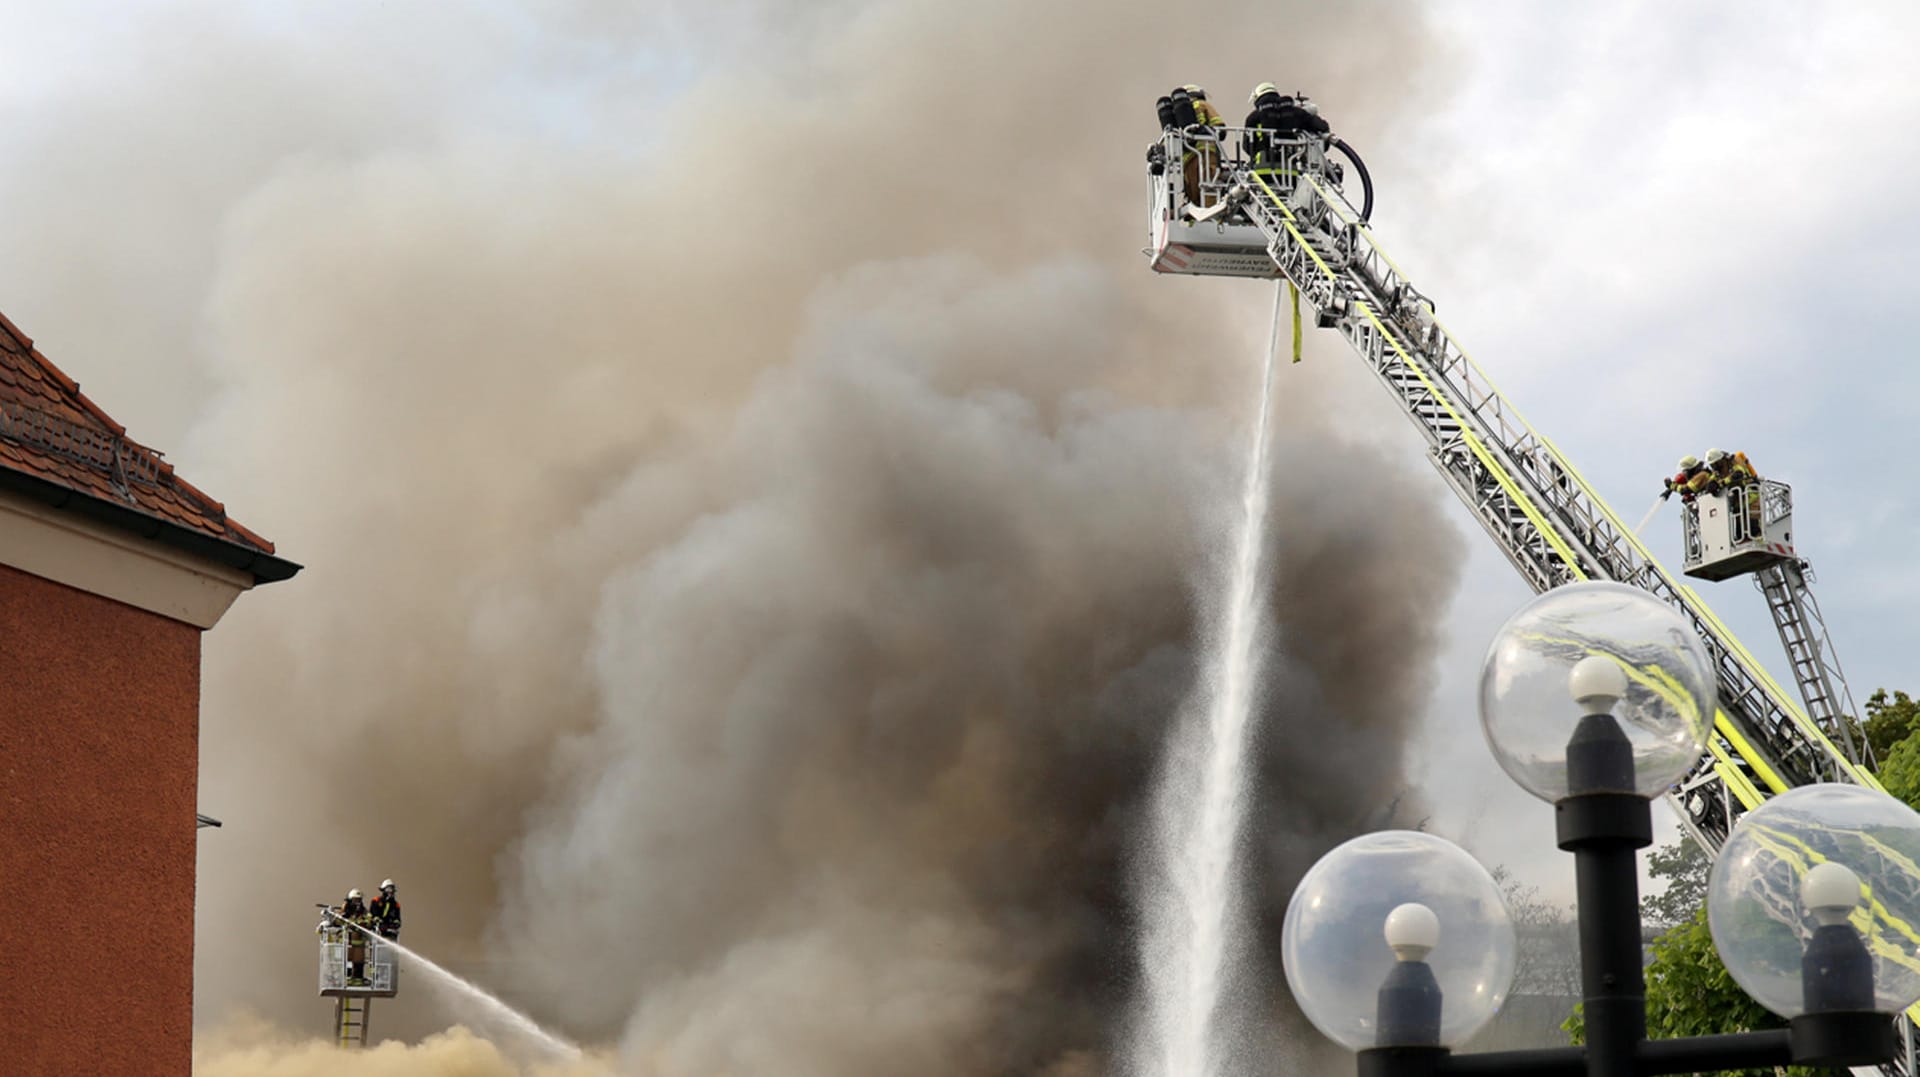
(262,566)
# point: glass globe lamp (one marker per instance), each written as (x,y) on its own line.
(1814,902)
(1589,648)
(1396,939)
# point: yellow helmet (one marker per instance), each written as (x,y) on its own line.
(1194,90)
(1689,462)
(1263,88)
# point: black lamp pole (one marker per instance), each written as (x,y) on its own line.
(1604,823)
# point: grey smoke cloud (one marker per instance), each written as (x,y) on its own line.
(755,505)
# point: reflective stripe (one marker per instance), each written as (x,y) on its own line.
(1692,599)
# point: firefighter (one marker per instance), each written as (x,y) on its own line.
(353,911)
(385,910)
(1733,475)
(1284,117)
(1203,110)
(1687,481)
(1731,469)
(1202,160)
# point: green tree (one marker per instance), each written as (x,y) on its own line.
(1889,722)
(1685,867)
(1900,771)
(1690,993)
(1547,962)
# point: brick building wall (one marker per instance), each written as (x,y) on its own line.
(99,710)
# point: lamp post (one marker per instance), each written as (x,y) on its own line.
(1394,948)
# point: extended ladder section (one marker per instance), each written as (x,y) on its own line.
(350,1021)
(1803,633)
(1545,517)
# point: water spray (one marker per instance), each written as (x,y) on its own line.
(1195,935)
(490,1007)
(1648,518)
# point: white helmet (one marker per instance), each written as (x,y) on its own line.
(1263,88)
(386,884)
(1689,462)
(354,893)
(1714,456)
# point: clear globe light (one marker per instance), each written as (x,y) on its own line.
(1777,880)
(1596,648)
(1404,890)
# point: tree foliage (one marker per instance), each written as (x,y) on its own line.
(1889,722)
(1690,993)
(1890,727)
(1900,771)
(1548,940)
(1685,867)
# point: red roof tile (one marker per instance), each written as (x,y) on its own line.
(50,430)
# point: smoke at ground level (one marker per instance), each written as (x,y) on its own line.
(248,1047)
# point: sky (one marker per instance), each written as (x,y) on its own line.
(1658,228)
(1662,230)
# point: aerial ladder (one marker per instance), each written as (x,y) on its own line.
(1748,530)
(356,967)
(1216,211)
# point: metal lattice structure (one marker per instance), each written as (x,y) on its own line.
(345,951)
(1219,214)
(1787,587)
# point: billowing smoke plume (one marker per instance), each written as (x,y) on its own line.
(754,500)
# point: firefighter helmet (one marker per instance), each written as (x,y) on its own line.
(387,884)
(1689,462)
(1714,456)
(1260,91)
(353,894)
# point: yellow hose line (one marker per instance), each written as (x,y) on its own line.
(1293,293)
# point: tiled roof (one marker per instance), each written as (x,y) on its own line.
(50,431)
